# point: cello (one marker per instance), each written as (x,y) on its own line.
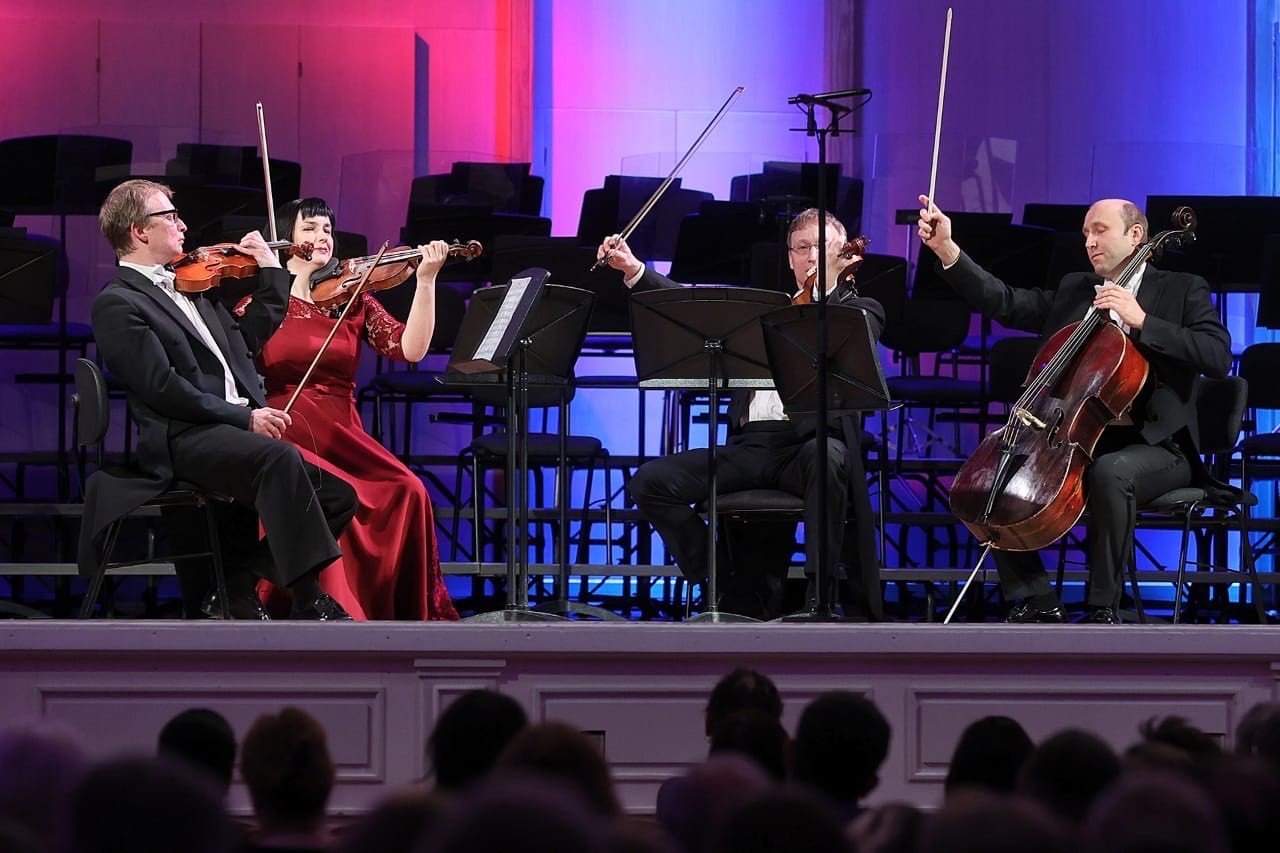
(1023,488)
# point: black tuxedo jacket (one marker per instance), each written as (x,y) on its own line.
(173,380)
(1182,337)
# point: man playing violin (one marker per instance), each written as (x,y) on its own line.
(1171,320)
(202,415)
(766,449)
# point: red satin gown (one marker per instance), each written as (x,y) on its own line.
(390,564)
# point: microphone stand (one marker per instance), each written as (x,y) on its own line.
(823,606)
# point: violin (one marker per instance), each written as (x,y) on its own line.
(855,248)
(333,284)
(200,269)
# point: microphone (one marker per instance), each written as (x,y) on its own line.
(828,96)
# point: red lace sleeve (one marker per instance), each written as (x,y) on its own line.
(241,305)
(382,330)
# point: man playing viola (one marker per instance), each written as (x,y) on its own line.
(202,416)
(1171,320)
(766,449)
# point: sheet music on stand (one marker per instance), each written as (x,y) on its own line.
(506,326)
(493,338)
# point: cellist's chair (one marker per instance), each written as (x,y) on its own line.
(92,418)
(1220,408)
(1260,448)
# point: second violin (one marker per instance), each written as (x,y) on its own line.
(333,284)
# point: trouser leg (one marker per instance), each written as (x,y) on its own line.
(1117,483)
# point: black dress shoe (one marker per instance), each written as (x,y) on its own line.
(322,608)
(1025,612)
(243,605)
(1102,616)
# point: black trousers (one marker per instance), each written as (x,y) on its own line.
(302,509)
(767,455)
(1117,483)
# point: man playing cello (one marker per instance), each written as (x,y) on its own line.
(1171,320)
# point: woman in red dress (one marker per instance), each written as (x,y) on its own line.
(390,564)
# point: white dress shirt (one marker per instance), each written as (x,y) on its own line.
(163,279)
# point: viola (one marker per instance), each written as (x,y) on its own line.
(853,250)
(200,269)
(333,284)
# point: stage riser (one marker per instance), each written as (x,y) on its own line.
(639,688)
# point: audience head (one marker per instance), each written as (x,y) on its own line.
(40,767)
(470,735)
(1180,734)
(742,690)
(1246,790)
(561,751)
(204,739)
(148,805)
(516,811)
(841,741)
(16,838)
(978,821)
(989,755)
(286,765)
(891,828)
(1145,811)
(1067,771)
(692,808)
(784,821)
(1259,732)
(395,825)
(757,735)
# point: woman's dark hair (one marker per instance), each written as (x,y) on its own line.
(290,212)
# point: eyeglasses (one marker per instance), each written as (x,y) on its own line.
(171,214)
(802,248)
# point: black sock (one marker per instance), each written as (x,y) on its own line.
(1044,600)
(306,587)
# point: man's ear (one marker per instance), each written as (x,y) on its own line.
(138,235)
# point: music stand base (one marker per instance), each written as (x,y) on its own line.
(720,617)
(514,614)
(565,608)
(815,615)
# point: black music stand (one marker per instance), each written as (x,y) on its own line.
(810,104)
(706,337)
(854,383)
(527,333)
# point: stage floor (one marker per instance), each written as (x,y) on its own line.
(638,687)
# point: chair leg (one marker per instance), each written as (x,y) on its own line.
(1137,593)
(215,554)
(100,573)
(1246,560)
(1182,563)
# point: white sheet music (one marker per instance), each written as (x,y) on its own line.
(489,346)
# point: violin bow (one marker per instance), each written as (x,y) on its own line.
(942,96)
(662,188)
(345,308)
(266,174)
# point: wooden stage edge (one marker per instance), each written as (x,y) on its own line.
(638,687)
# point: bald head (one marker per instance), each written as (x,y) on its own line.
(1113,229)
